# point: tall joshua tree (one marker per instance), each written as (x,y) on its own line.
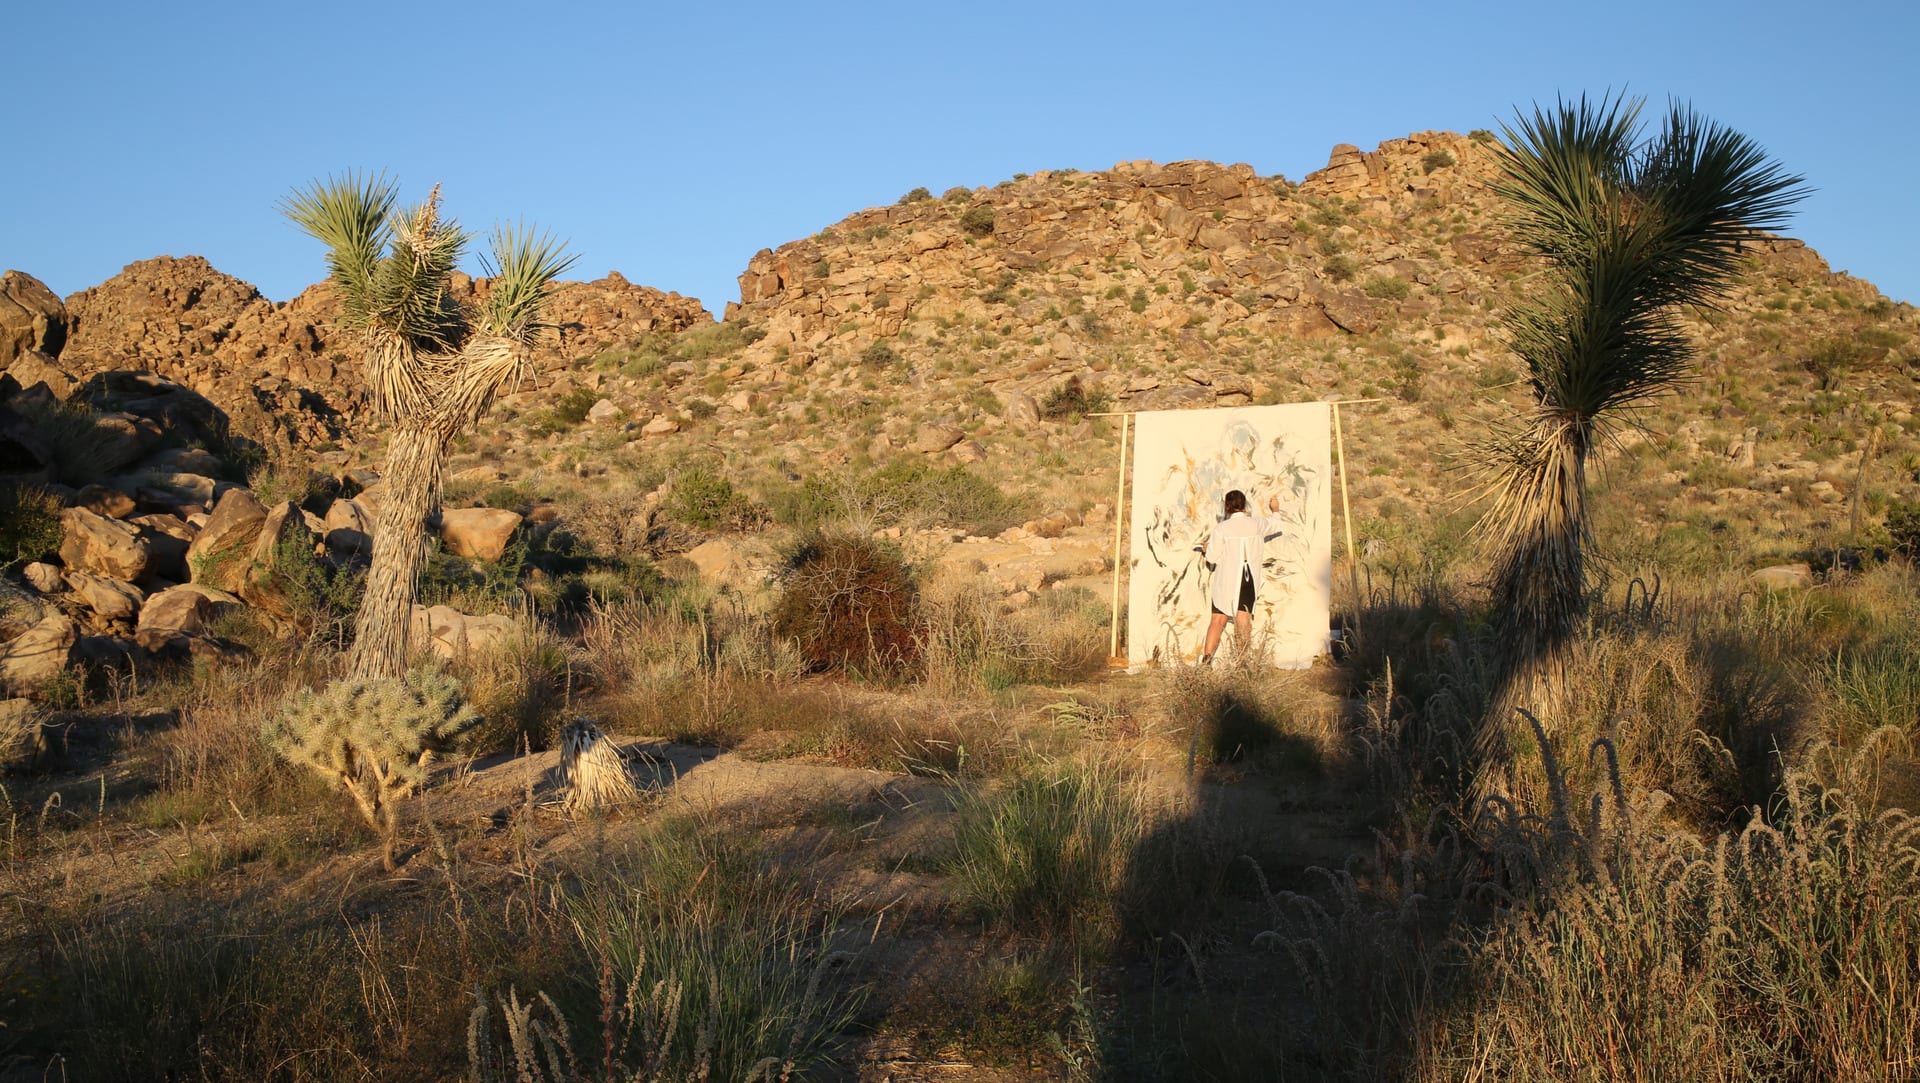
(432,367)
(1631,228)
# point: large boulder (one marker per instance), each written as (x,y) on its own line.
(39,654)
(169,536)
(178,615)
(349,527)
(478,533)
(31,318)
(282,547)
(219,553)
(453,635)
(110,598)
(103,546)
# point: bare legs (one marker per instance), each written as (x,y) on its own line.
(1242,632)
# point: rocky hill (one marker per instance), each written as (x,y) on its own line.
(977,327)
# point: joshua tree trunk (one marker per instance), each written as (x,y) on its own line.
(412,493)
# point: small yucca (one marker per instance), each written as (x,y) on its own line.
(592,769)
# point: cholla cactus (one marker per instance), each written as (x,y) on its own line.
(595,774)
(373,737)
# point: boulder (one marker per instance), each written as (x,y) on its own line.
(103,546)
(169,536)
(178,615)
(934,439)
(39,654)
(219,553)
(604,412)
(31,318)
(21,739)
(184,460)
(453,635)
(1021,411)
(44,577)
(110,598)
(660,426)
(39,376)
(284,543)
(349,527)
(969,451)
(1783,577)
(101,500)
(478,533)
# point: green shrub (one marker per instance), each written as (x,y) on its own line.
(1903,526)
(1071,400)
(1481,135)
(1340,268)
(977,220)
(1830,359)
(879,355)
(29,525)
(1436,159)
(372,737)
(1387,287)
(703,499)
(701,409)
(850,604)
(917,195)
(957,194)
(571,408)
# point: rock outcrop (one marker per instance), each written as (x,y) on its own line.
(32,319)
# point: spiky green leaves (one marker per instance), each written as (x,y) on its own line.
(355,731)
(524,266)
(1632,225)
(350,216)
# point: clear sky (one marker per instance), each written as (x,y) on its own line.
(672,144)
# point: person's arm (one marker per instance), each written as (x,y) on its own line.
(1269,526)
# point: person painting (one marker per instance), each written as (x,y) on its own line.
(1234,552)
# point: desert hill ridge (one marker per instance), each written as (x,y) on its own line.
(938,326)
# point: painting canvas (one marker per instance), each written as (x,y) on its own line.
(1184,463)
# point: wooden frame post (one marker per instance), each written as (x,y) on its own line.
(1114,658)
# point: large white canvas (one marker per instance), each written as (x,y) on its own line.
(1184,463)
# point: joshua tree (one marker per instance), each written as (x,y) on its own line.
(1631,228)
(432,368)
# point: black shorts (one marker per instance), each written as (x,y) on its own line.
(1246,594)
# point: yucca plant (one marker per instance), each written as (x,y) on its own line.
(1630,227)
(433,368)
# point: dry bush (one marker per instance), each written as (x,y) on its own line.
(970,644)
(851,604)
(520,690)
(1252,711)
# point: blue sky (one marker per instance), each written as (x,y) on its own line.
(672,145)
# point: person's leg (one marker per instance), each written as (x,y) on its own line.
(1214,628)
(1242,630)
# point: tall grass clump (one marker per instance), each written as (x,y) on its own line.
(29,524)
(1785,950)
(969,644)
(1050,848)
(724,962)
(519,689)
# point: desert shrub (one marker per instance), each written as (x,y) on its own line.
(977,220)
(372,737)
(879,355)
(29,524)
(1435,159)
(1831,359)
(1387,287)
(1481,135)
(915,195)
(519,691)
(957,194)
(714,964)
(1049,849)
(706,500)
(1071,400)
(1903,528)
(1340,267)
(571,408)
(953,495)
(714,339)
(850,604)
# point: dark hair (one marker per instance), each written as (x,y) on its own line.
(1236,501)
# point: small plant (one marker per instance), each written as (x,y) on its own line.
(879,355)
(1387,287)
(1436,159)
(373,738)
(1340,267)
(917,195)
(1903,527)
(977,220)
(29,524)
(703,499)
(1481,135)
(1071,401)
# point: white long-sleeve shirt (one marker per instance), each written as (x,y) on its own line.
(1238,543)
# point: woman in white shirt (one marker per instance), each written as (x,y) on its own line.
(1234,553)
